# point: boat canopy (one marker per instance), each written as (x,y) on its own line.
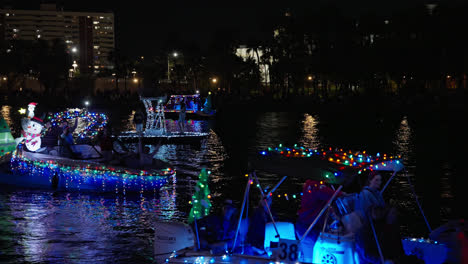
(192,102)
(334,166)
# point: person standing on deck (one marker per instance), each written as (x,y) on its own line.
(181,121)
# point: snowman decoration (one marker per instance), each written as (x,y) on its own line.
(31,107)
(32,134)
(32,128)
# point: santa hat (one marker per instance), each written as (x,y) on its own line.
(37,120)
(32,103)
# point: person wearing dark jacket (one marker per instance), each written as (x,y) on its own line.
(51,137)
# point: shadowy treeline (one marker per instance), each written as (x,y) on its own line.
(312,56)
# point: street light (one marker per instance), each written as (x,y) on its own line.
(214,80)
(175,55)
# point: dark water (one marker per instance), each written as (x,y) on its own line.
(39,226)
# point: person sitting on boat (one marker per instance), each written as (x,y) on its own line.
(106,144)
(315,195)
(51,138)
(374,211)
(64,125)
(67,142)
(217,231)
(257,222)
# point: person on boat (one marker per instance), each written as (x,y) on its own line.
(315,195)
(257,222)
(51,138)
(138,119)
(217,231)
(64,125)
(181,121)
(106,144)
(67,142)
(375,212)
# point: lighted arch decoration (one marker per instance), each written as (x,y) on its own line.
(94,121)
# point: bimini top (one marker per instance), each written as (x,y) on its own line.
(332,165)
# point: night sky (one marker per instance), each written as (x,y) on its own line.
(142,26)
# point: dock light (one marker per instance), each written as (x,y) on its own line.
(197,92)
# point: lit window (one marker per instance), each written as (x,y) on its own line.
(39,36)
(15,30)
(95,22)
(96,47)
(7,14)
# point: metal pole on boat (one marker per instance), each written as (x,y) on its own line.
(266,204)
(246,195)
(376,240)
(417,201)
(321,213)
(278,184)
(388,182)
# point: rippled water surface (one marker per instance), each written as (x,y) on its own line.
(40,226)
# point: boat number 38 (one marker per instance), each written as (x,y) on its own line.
(287,250)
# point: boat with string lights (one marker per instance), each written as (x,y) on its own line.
(30,169)
(155,129)
(286,241)
(195,108)
(77,167)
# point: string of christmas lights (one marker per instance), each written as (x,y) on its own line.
(354,159)
(95,121)
(91,175)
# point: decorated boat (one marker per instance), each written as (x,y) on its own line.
(79,166)
(85,174)
(178,242)
(155,129)
(195,108)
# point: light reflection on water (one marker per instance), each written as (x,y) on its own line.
(39,226)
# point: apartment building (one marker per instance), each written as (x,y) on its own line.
(89,36)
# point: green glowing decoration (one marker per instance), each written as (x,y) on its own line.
(7,142)
(201,203)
